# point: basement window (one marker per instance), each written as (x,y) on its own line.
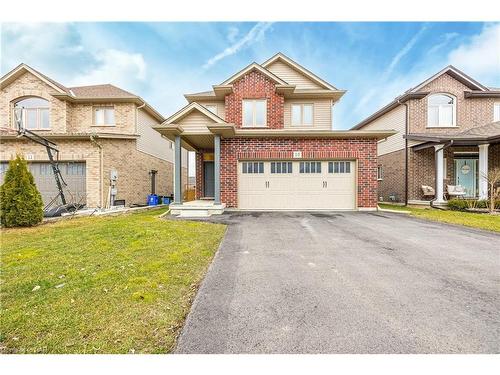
(380,173)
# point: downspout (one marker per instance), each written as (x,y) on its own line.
(407,121)
(101,167)
(445,146)
(137,114)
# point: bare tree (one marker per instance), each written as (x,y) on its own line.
(493,178)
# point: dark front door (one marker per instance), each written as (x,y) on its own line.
(209,179)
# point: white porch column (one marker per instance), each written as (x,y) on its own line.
(483,171)
(177,170)
(439,174)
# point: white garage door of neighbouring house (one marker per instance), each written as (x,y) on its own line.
(297,185)
(74,174)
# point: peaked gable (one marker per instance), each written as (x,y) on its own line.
(21,69)
(194,111)
(294,73)
(252,67)
(456,74)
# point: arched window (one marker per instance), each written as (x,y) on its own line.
(34,112)
(441,110)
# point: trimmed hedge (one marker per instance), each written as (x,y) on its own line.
(20,201)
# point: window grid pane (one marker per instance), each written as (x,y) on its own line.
(260,113)
(307,114)
(296,114)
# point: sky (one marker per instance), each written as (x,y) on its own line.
(374,62)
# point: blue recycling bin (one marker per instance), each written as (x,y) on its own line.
(152,200)
(166,200)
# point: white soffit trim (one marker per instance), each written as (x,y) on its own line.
(455,71)
(192,107)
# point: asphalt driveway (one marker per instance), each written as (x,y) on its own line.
(347,283)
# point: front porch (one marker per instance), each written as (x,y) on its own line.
(444,162)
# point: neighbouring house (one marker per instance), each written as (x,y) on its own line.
(99,130)
(264,139)
(448,134)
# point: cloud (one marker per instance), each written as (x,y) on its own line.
(386,73)
(114,66)
(480,55)
(255,34)
(232,33)
(446,38)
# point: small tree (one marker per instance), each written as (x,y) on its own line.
(493,178)
(20,201)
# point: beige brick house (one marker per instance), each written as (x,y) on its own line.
(98,130)
(450,121)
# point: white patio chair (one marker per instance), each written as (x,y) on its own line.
(455,191)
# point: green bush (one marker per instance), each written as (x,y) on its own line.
(20,201)
(458,204)
(464,204)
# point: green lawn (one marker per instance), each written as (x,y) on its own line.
(475,220)
(101,285)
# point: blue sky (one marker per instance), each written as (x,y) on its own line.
(374,62)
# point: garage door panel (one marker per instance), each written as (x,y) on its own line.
(328,189)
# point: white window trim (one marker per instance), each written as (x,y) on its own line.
(301,105)
(253,125)
(380,173)
(94,107)
(495,111)
(38,116)
(454,112)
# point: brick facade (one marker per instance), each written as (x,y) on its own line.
(361,150)
(255,85)
(393,181)
(122,154)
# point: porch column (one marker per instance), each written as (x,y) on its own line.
(439,174)
(217,168)
(483,171)
(177,171)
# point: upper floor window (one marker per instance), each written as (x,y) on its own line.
(254,113)
(496,112)
(441,110)
(302,114)
(212,108)
(104,115)
(34,113)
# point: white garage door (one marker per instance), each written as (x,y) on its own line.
(297,185)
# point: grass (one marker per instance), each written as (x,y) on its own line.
(469,219)
(120,284)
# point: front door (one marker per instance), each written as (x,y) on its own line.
(208,179)
(466,175)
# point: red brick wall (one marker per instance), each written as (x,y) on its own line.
(363,150)
(255,85)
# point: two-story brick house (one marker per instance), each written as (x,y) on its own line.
(264,140)
(98,129)
(450,121)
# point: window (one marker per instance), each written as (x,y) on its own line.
(34,113)
(302,114)
(310,167)
(339,167)
(212,108)
(254,113)
(380,173)
(496,112)
(253,167)
(104,115)
(441,111)
(281,167)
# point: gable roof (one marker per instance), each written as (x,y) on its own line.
(415,93)
(455,73)
(23,68)
(81,93)
(288,61)
(183,112)
(249,68)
